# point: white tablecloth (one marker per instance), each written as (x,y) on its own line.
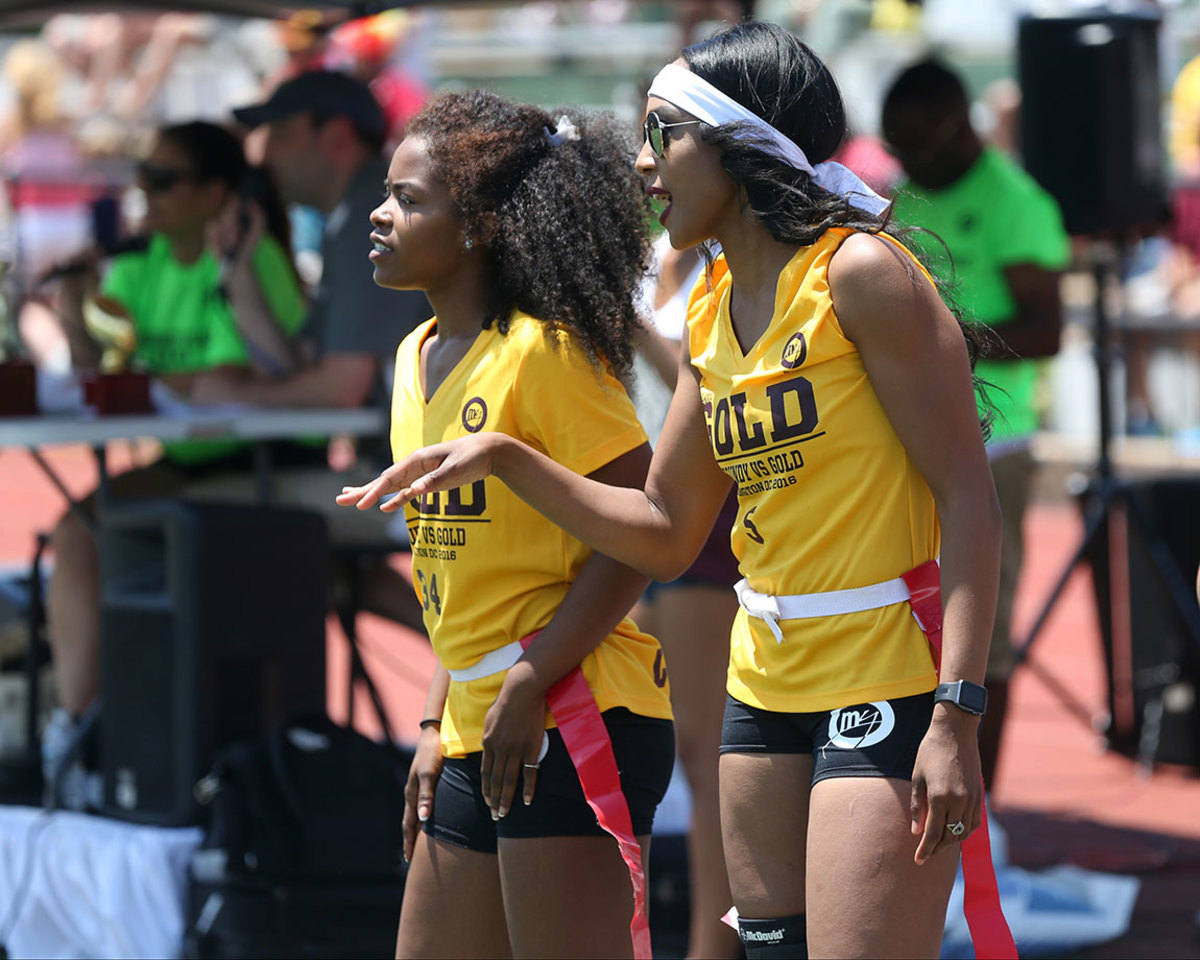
(78,886)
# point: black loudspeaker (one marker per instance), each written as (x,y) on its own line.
(213,631)
(1154,677)
(1090,117)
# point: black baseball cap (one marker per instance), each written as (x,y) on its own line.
(325,93)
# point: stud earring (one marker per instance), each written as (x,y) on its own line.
(468,243)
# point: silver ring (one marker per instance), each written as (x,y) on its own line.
(532,766)
(957,828)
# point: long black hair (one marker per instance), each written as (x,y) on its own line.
(774,74)
(563,215)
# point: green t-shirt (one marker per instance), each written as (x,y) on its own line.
(185,325)
(994,216)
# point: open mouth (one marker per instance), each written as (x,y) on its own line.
(663,199)
(378,248)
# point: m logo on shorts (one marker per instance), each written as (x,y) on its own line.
(474,415)
(860,726)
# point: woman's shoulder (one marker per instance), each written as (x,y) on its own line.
(857,256)
(870,274)
(155,253)
(269,243)
(532,338)
(154,247)
(542,356)
(271,259)
(524,330)
(411,343)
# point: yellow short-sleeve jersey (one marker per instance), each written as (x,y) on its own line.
(487,567)
(828,498)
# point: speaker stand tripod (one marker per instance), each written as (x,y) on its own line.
(1111,508)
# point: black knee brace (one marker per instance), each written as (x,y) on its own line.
(782,938)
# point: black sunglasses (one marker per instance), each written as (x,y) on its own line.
(654,131)
(156,177)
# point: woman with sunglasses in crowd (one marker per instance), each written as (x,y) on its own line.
(529,236)
(216,283)
(214,287)
(830,385)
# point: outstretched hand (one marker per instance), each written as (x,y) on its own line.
(442,466)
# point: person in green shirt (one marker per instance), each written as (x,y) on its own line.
(214,288)
(1004,250)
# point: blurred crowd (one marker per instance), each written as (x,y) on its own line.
(86,95)
(192,222)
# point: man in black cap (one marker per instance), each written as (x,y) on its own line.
(324,134)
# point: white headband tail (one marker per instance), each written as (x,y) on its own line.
(687,91)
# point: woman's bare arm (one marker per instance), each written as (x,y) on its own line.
(658,530)
(916,358)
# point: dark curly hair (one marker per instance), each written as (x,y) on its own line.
(566,226)
(771,72)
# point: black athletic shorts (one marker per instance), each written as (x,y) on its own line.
(859,740)
(644,748)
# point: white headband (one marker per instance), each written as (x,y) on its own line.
(702,100)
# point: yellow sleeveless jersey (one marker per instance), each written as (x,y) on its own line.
(487,567)
(828,498)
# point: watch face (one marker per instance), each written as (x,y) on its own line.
(973,697)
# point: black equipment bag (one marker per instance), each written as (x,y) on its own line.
(313,802)
(303,852)
(252,917)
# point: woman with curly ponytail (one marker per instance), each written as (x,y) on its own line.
(529,236)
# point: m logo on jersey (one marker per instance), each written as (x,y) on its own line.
(474,415)
(794,351)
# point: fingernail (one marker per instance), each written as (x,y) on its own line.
(528,801)
(495,815)
(504,811)
(422,817)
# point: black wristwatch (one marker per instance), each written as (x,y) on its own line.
(968,696)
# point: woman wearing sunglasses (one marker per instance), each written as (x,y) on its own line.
(830,385)
(529,236)
(194,296)
(216,284)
